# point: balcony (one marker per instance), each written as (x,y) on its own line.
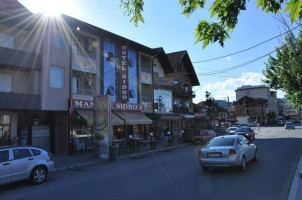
(186,93)
(20,59)
(20,101)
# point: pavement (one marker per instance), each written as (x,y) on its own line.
(64,162)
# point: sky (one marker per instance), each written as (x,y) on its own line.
(166,27)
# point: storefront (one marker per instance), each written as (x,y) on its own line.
(7,128)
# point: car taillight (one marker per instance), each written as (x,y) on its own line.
(49,155)
(232,152)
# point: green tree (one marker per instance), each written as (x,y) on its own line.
(284,71)
(225,12)
(210,105)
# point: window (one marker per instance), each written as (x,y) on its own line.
(56,77)
(75,85)
(4,156)
(7,41)
(5,83)
(57,39)
(164,100)
(5,134)
(35,152)
(21,153)
(176,84)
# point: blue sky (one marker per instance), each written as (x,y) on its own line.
(166,27)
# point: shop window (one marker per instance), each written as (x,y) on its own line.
(5,130)
(163,98)
(5,83)
(83,123)
(56,77)
(7,40)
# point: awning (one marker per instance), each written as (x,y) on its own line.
(133,118)
(170,117)
(87,115)
(116,120)
(187,116)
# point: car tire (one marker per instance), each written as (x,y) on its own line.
(206,169)
(243,164)
(38,175)
(256,155)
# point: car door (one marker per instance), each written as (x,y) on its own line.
(21,164)
(250,149)
(5,166)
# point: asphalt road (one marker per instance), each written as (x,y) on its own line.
(176,175)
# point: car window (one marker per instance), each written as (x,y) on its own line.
(244,130)
(221,142)
(21,153)
(203,132)
(36,152)
(4,156)
(244,140)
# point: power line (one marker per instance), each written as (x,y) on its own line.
(247,48)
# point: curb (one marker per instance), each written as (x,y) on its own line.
(293,191)
(129,156)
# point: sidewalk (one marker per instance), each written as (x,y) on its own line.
(296,188)
(63,162)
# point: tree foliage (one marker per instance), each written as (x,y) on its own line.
(209,103)
(225,13)
(285,70)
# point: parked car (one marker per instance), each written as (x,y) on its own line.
(227,151)
(220,131)
(203,136)
(236,125)
(297,122)
(289,125)
(232,130)
(247,132)
(24,162)
(280,123)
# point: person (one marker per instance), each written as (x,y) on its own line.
(258,127)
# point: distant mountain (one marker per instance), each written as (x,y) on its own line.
(223,103)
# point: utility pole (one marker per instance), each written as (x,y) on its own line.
(228,111)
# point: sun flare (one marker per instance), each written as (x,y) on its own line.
(52,7)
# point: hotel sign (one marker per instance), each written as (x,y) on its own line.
(124,73)
(124,106)
(82,101)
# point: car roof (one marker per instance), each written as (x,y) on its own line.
(228,136)
(17,146)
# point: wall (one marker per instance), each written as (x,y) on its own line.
(253,92)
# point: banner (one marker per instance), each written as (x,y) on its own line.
(102,122)
(84,64)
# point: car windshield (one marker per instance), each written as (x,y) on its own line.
(244,130)
(233,129)
(203,133)
(221,142)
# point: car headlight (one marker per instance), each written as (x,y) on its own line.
(247,134)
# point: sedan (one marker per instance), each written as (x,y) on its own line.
(247,132)
(289,125)
(232,130)
(227,151)
(24,162)
(203,136)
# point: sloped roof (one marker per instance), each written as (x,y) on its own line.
(254,99)
(164,60)
(182,56)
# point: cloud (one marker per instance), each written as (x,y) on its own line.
(224,89)
(228,58)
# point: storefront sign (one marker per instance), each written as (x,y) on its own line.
(123,106)
(102,122)
(146,78)
(82,97)
(82,104)
(148,106)
(84,64)
(124,73)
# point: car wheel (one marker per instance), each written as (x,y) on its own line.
(243,164)
(256,155)
(206,169)
(38,175)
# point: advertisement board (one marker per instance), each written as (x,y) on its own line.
(84,64)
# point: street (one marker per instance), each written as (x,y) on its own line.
(176,175)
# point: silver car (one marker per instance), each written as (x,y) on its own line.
(24,162)
(227,151)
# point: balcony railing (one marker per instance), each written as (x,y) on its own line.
(83,92)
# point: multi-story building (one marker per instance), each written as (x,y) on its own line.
(52,70)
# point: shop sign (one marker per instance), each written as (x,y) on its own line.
(165,82)
(146,78)
(82,104)
(124,106)
(102,123)
(82,97)
(147,105)
(84,64)
(124,73)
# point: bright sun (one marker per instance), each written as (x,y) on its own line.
(52,7)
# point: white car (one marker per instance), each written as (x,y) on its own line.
(227,151)
(24,162)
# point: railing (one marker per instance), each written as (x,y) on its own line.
(83,91)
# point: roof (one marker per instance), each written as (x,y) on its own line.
(244,87)
(176,58)
(254,99)
(164,60)
(221,109)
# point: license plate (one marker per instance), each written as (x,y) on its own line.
(214,155)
